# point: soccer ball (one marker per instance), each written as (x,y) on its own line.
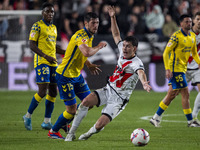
(140,137)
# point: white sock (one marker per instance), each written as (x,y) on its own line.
(28,115)
(196,107)
(189,121)
(80,114)
(93,130)
(157,117)
(47,120)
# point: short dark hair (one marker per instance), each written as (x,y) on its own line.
(46,4)
(132,39)
(182,17)
(197,14)
(90,15)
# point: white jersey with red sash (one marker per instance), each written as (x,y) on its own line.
(192,65)
(125,77)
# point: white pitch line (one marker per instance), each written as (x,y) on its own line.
(168,115)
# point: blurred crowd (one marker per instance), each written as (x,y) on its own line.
(135,17)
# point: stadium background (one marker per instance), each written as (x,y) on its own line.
(17,17)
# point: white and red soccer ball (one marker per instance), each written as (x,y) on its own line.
(140,137)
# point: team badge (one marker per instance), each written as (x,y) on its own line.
(169,44)
(83,40)
(70,95)
(33,34)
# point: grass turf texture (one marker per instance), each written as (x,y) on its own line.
(116,136)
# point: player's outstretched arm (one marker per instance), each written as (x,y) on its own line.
(143,79)
(90,51)
(114,26)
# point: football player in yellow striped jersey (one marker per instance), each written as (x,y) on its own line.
(177,52)
(69,79)
(42,40)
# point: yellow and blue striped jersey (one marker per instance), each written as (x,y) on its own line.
(73,61)
(178,50)
(45,35)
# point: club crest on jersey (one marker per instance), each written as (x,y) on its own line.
(83,40)
(169,44)
(33,34)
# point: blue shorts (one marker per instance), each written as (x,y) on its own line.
(45,74)
(69,88)
(178,81)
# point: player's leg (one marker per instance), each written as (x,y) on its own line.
(196,107)
(186,105)
(67,94)
(82,111)
(114,106)
(83,93)
(49,106)
(64,118)
(171,94)
(42,80)
(98,126)
(50,98)
(186,108)
(37,98)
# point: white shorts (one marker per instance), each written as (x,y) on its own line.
(193,76)
(113,103)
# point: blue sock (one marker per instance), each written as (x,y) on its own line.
(59,123)
(49,108)
(160,111)
(33,105)
(189,117)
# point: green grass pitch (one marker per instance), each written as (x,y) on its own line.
(173,135)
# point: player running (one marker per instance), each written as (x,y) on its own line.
(68,74)
(181,44)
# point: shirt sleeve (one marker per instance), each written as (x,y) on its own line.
(35,32)
(80,39)
(171,45)
(120,46)
(195,54)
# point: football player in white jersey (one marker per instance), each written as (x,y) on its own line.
(193,72)
(119,88)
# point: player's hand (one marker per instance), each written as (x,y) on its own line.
(111,11)
(102,44)
(168,74)
(146,86)
(50,59)
(94,69)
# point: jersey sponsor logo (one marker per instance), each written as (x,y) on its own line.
(33,34)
